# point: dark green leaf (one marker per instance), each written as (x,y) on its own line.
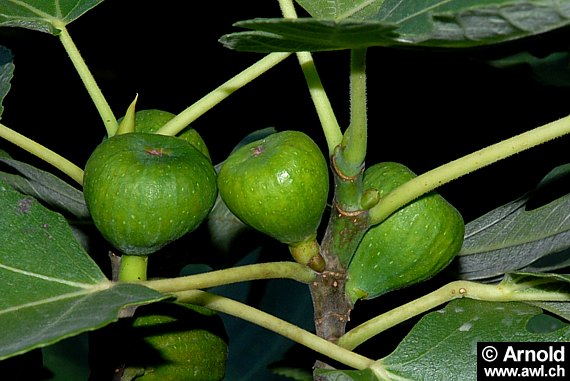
(68,359)
(467,23)
(512,237)
(293,374)
(51,289)
(6,74)
(552,70)
(561,309)
(455,23)
(307,34)
(443,339)
(347,375)
(45,186)
(341,9)
(535,283)
(41,15)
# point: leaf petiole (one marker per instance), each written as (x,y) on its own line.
(450,171)
(200,107)
(272,323)
(271,270)
(354,143)
(323,107)
(91,85)
(454,290)
(43,153)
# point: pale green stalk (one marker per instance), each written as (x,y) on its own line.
(43,153)
(200,107)
(453,290)
(271,270)
(430,180)
(272,323)
(91,85)
(323,107)
(356,136)
(133,268)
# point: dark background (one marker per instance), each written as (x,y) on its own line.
(425,108)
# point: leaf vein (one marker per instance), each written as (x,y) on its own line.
(47,278)
(56,298)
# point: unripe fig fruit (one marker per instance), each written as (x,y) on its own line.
(173,343)
(151,120)
(410,246)
(146,190)
(277,185)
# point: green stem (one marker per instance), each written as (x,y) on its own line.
(353,153)
(272,270)
(133,268)
(90,84)
(43,153)
(199,108)
(453,290)
(430,180)
(329,123)
(272,323)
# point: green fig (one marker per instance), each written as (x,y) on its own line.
(172,342)
(410,246)
(146,190)
(278,185)
(151,120)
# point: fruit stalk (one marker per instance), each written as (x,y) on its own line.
(133,268)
